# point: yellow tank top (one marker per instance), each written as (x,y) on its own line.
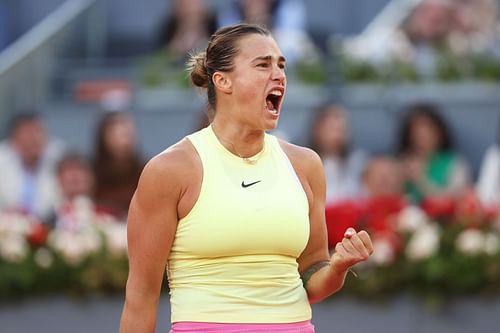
(233,259)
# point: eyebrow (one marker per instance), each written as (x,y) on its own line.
(268,58)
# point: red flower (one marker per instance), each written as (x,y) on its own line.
(339,217)
(439,206)
(469,210)
(38,234)
(380,210)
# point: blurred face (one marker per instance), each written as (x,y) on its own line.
(120,137)
(332,134)
(258,82)
(256,11)
(424,135)
(475,15)
(190,9)
(431,21)
(29,140)
(75,180)
(383,177)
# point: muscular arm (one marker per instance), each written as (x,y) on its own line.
(151,227)
(323,274)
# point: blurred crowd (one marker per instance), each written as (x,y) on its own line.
(58,187)
(423,169)
(190,24)
(433,29)
(41,177)
(433,32)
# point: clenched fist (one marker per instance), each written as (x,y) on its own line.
(354,248)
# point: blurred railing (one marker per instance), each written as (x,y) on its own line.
(27,66)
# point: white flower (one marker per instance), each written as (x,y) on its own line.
(491,244)
(43,258)
(411,219)
(470,242)
(424,242)
(14,224)
(116,237)
(14,248)
(383,252)
(84,211)
(73,246)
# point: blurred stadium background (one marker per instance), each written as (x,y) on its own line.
(72,62)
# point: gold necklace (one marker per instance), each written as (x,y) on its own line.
(249,160)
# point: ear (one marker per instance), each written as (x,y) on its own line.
(222,82)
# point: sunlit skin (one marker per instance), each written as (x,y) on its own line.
(259,68)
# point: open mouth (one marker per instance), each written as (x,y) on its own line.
(273,101)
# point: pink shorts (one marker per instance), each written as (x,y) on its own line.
(195,327)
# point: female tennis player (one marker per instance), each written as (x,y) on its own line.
(235,215)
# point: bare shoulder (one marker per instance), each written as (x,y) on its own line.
(302,158)
(170,169)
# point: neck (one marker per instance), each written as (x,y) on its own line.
(239,139)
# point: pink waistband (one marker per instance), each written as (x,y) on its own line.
(195,327)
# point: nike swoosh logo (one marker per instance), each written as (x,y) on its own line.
(249,184)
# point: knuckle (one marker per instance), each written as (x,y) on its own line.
(363,233)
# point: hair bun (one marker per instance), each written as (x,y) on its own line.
(197,69)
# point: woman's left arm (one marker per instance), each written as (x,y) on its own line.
(322,274)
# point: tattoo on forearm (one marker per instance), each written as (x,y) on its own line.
(306,276)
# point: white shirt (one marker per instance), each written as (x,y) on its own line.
(488,185)
(343,177)
(42,181)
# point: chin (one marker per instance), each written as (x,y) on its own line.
(270,125)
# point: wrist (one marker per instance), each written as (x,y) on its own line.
(337,268)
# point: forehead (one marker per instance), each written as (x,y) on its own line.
(255,45)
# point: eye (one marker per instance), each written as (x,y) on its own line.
(263,65)
(282,66)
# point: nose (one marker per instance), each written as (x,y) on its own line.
(278,74)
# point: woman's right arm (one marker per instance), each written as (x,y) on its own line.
(152,224)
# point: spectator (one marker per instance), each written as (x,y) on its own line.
(75,177)
(384,195)
(117,163)
(27,162)
(76,182)
(285,18)
(431,167)
(382,177)
(488,185)
(415,37)
(330,138)
(188,27)
(476,29)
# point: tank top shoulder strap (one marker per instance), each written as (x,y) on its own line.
(200,141)
(273,143)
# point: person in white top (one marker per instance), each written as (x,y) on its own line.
(343,165)
(27,161)
(488,184)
